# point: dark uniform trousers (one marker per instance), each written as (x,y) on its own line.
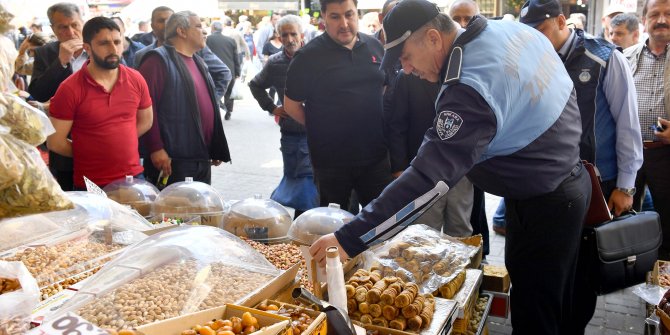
(543,236)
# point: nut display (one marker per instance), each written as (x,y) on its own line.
(9,285)
(52,289)
(53,264)
(388,301)
(477,315)
(233,326)
(300,320)
(36,191)
(25,122)
(17,325)
(420,255)
(169,291)
(11,169)
(283,256)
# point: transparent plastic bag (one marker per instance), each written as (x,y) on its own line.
(11,169)
(172,273)
(421,255)
(16,306)
(26,122)
(37,191)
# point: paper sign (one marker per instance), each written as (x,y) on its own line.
(93,188)
(68,324)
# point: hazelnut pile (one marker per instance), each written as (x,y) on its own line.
(168,291)
(233,326)
(300,320)
(283,256)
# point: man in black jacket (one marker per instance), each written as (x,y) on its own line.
(55,62)
(296,189)
(225,48)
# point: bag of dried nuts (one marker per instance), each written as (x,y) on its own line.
(25,122)
(11,169)
(21,295)
(37,191)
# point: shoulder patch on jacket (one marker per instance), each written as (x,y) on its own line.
(447,125)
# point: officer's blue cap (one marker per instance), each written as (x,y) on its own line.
(405,18)
(534,12)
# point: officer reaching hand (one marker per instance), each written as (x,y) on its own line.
(499,123)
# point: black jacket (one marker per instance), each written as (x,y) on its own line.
(409,117)
(225,48)
(178,120)
(48,73)
(273,74)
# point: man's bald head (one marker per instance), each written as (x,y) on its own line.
(461,11)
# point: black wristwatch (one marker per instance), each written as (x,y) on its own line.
(628,191)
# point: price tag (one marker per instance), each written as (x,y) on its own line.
(93,188)
(69,324)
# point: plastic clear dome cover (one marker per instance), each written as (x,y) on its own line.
(136,193)
(175,272)
(84,238)
(92,212)
(316,222)
(192,197)
(261,220)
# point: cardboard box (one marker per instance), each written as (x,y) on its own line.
(443,318)
(466,298)
(496,278)
(271,324)
(279,284)
(477,241)
(319,326)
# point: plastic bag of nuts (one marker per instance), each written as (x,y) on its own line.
(37,191)
(17,304)
(11,169)
(26,122)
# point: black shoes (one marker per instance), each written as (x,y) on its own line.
(227,116)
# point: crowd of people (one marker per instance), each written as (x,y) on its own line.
(413,120)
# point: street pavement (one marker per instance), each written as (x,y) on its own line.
(253,138)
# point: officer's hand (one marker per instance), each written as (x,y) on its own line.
(216,162)
(68,49)
(318,249)
(162,161)
(279,111)
(664,135)
(620,202)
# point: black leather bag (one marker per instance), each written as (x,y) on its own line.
(624,250)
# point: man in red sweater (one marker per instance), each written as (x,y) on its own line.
(106,106)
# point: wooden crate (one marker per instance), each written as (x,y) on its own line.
(319,326)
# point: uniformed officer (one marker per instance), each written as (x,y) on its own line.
(611,137)
(513,129)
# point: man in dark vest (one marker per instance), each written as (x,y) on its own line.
(610,128)
(187,134)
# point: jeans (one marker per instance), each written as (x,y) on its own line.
(296,189)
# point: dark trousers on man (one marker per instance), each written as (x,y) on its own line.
(542,244)
(200,170)
(335,184)
(655,173)
(227,101)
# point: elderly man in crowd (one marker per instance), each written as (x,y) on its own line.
(187,136)
(625,30)
(296,189)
